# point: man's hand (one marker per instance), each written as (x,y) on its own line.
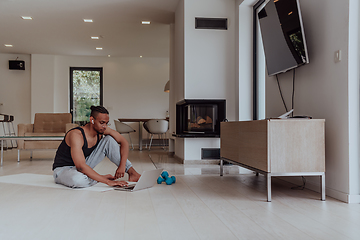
(120,172)
(112,183)
(109,176)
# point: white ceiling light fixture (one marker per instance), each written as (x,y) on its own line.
(88,20)
(95,37)
(109,56)
(145,22)
(8,45)
(26,18)
(140,56)
(99,48)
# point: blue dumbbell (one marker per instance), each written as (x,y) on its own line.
(169,181)
(165,174)
(160,180)
(166,178)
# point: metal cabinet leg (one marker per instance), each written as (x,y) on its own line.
(2,151)
(323,187)
(140,135)
(268,181)
(18,155)
(221,167)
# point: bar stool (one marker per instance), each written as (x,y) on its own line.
(8,130)
(4,119)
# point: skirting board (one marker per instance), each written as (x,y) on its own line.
(40,180)
(353,198)
(341,196)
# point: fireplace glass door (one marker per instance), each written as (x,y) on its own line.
(201,118)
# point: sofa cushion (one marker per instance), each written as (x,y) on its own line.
(51,122)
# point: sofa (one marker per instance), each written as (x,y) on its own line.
(45,124)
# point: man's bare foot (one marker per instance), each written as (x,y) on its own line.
(133,175)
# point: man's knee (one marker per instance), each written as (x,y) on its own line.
(70,177)
(81,181)
(110,140)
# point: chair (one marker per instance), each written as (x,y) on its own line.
(123,128)
(156,126)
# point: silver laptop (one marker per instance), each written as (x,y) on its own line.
(147,180)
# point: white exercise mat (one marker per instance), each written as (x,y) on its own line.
(40,180)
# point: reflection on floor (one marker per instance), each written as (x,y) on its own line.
(200,205)
(175,167)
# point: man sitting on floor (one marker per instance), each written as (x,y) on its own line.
(85,147)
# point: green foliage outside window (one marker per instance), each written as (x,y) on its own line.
(86,92)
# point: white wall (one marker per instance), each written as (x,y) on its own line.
(209,63)
(177,86)
(327,90)
(42,84)
(133,87)
(244,59)
(15,89)
(353,98)
(209,54)
(323,89)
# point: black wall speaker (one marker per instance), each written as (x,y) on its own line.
(211,23)
(16,65)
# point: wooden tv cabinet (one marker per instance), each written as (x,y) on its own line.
(276,147)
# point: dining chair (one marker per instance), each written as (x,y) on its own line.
(156,126)
(123,128)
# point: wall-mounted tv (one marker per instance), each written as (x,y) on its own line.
(282,35)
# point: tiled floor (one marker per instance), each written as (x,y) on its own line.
(200,205)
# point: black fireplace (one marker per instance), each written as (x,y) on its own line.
(199,117)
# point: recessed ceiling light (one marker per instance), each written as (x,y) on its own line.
(94,37)
(141,56)
(26,18)
(8,45)
(145,22)
(88,20)
(99,48)
(109,56)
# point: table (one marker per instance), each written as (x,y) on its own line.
(32,138)
(275,147)
(140,121)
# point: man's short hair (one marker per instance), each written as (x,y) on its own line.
(95,110)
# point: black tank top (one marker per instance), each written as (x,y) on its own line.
(63,154)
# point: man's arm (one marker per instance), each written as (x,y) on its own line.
(75,141)
(124,151)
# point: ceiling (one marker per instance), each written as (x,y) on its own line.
(58,27)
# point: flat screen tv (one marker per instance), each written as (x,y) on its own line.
(282,35)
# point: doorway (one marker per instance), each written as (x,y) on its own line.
(86,89)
